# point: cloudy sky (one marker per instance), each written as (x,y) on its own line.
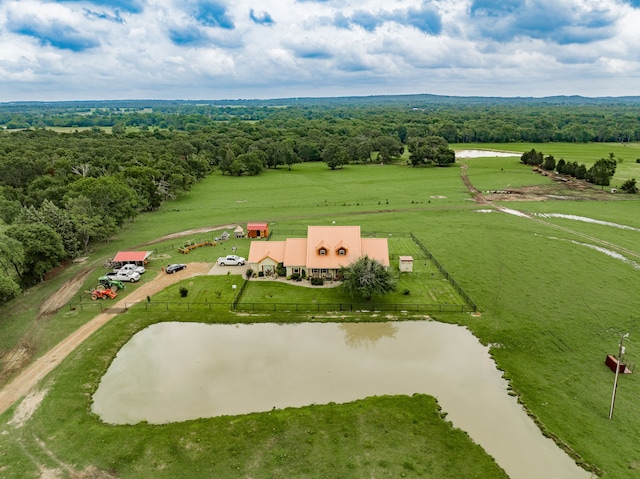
(231,49)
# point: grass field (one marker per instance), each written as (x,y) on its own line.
(555,290)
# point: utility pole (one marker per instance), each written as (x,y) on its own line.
(615,381)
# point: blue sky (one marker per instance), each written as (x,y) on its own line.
(217,49)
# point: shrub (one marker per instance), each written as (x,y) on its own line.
(317,281)
(295,277)
(629,186)
(303,274)
(248,273)
(406,292)
(183,292)
(281,270)
(260,274)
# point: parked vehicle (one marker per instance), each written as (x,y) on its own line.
(103,294)
(131,277)
(130,267)
(104,282)
(231,260)
(172,268)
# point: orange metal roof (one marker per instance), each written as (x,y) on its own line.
(332,238)
(256,226)
(296,251)
(305,251)
(260,250)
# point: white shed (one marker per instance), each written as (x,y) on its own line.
(406,264)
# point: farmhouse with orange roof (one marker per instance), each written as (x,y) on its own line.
(320,254)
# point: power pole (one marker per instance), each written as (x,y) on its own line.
(615,381)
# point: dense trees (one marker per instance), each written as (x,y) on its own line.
(430,150)
(43,250)
(570,119)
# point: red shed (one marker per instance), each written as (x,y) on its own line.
(257,230)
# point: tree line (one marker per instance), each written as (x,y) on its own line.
(458,120)
(600,173)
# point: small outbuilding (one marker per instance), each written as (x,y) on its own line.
(238,232)
(257,230)
(139,258)
(406,264)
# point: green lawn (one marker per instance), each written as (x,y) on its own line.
(554,294)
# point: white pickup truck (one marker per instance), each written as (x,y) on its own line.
(231,260)
(130,276)
(130,268)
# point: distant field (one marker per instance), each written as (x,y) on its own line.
(584,153)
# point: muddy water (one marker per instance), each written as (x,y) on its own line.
(484,154)
(177,371)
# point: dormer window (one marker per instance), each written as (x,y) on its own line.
(342,251)
(322,251)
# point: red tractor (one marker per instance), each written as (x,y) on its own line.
(103,294)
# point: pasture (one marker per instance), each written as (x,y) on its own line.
(555,284)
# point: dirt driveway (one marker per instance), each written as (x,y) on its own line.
(30,377)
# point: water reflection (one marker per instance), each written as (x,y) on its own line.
(177,371)
(356,336)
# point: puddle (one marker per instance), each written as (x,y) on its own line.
(587,220)
(178,371)
(485,154)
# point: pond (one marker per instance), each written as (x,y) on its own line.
(179,371)
(484,154)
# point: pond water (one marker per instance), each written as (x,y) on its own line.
(484,154)
(178,371)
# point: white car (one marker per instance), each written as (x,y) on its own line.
(131,277)
(131,268)
(231,260)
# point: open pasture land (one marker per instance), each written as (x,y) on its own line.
(583,153)
(555,296)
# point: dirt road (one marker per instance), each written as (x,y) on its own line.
(30,377)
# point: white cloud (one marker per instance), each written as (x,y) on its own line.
(220,49)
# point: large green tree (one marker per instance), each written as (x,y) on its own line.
(11,256)
(9,289)
(366,277)
(43,249)
(109,196)
(602,171)
(334,155)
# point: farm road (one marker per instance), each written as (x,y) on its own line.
(30,377)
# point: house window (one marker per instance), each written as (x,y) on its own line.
(322,251)
(342,251)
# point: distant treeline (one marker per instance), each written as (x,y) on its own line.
(457,119)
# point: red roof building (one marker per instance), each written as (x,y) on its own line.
(257,230)
(320,254)
(138,257)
